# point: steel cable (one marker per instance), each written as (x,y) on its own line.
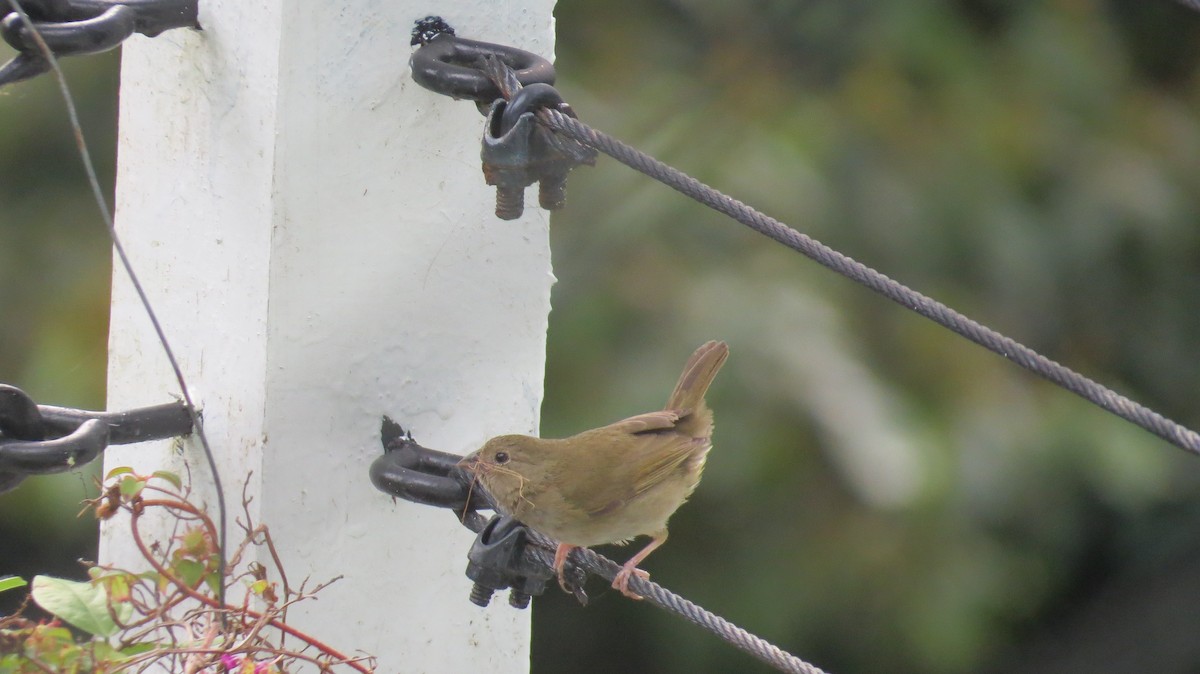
(939,313)
(593,562)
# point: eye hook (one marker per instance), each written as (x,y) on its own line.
(454,66)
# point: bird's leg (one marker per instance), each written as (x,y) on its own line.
(560,560)
(621,582)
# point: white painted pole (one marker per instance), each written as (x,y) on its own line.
(315,232)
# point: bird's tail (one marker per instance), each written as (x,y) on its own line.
(697,376)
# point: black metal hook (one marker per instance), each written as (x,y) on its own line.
(453,66)
(59,455)
(43,439)
(421,475)
(79,27)
(85,36)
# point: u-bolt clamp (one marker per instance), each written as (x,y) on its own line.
(79,27)
(518,152)
(497,560)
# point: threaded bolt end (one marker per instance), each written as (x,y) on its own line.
(510,202)
(481,596)
(552,193)
(518,599)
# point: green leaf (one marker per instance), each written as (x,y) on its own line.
(83,604)
(56,636)
(189,571)
(11,582)
(119,470)
(169,477)
(103,652)
(213,580)
(132,486)
(117,585)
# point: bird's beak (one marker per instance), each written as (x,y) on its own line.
(469,463)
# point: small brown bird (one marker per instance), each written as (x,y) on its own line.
(609,484)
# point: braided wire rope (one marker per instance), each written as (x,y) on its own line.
(663,598)
(1089,390)
(543,548)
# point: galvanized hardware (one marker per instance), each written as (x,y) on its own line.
(510,85)
(78,27)
(517,152)
(43,439)
(497,561)
(453,66)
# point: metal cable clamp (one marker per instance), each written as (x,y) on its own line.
(509,85)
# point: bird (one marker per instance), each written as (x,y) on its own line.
(609,484)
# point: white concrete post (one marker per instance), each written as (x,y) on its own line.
(315,232)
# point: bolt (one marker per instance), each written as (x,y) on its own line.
(552,192)
(510,202)
(518,599)
(480,595)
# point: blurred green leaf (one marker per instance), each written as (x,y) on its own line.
(83,604)
(169,477)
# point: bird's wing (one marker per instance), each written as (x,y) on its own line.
(644,452)
(648,422)
(664,457)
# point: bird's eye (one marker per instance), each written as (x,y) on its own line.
(501,458)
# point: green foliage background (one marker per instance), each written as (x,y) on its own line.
(883,496)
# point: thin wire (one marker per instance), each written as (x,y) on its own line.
(1089,390)
(98,194)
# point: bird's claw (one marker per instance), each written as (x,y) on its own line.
(621,581)
(574,584)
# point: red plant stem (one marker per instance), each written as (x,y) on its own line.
(135,514)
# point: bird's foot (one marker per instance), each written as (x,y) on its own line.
(560,564)
(621,582)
